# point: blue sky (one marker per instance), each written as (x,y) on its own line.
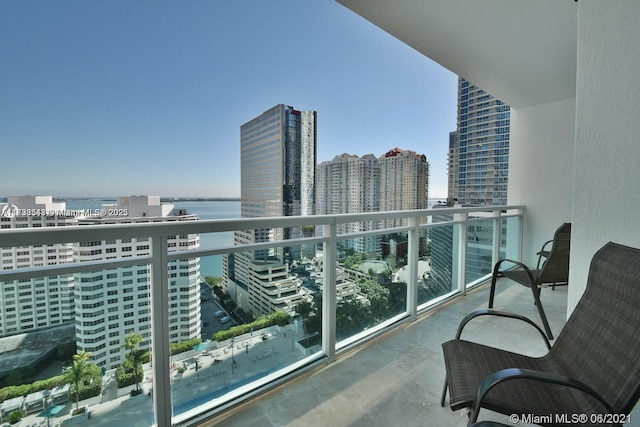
(110,98)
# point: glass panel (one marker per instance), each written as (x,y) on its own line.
(479,249)
(510,238)
(254,315)
(70,350)
(436,279)
(370,282)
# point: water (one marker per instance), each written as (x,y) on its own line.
(209,266)
(212,265)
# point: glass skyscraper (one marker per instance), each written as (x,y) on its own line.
(278,157)
(478,169)
(479,152)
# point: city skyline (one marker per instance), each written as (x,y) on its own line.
(147,98)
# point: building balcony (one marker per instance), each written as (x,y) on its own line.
(194,387)
(397,378)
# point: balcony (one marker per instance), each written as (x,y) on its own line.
(396,380)
(192,387)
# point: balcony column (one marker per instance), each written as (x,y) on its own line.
(329,293)
(412,260)
(160,356)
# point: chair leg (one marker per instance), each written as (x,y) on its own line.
(543,317)
(492,292)
(444,391)
(472,415)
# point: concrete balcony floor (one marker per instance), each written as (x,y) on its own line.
(396,380)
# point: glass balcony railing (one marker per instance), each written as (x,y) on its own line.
(164,352)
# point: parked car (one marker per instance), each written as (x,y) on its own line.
(218,313)
(225,319)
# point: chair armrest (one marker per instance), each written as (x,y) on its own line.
(543,252)
(530,374)
(497,272)
(489,312)
(542,249)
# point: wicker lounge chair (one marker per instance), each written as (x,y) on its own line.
(593,367)
(554,271)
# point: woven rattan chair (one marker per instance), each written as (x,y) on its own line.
(554,271)
(593,368)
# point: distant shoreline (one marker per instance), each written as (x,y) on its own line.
(162,199)
(3,199)
(200,199)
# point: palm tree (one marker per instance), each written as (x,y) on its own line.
(131,342)
(136,360)
(305,310)
(134,357)
(77,371)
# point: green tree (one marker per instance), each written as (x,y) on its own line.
(397,297)
(131,342)
(213,281)
(314,321)
(391,262)
(134,357)
(77,371)
(353,261)
(352,316)
(378,297)
(15,416)
(305,310)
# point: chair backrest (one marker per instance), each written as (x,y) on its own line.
(556,267)
(599,344)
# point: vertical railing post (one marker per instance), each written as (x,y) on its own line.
(520,234)
(412,281)
(329,292)
(160,332)
(497,236)
(460,257)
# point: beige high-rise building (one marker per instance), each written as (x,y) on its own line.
(404,178)
(350,184)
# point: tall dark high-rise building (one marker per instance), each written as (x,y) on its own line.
(479,150)
(277,161)
(278,158)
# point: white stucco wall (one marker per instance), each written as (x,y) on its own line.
(541,145)
(606,203)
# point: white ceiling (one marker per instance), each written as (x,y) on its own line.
(520,51)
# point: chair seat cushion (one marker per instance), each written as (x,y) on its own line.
(513,396)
